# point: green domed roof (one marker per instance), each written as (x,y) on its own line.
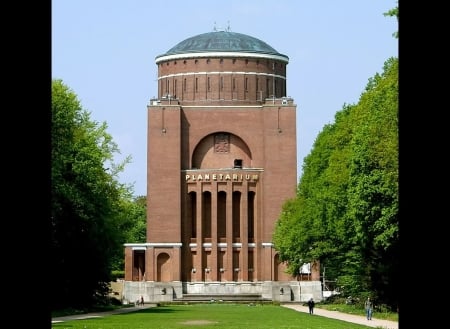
(222,41)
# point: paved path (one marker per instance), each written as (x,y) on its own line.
(101,314)
(375,323)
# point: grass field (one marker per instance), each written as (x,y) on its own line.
(205,316)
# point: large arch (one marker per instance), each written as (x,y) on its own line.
(219,150)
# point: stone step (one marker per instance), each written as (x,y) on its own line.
(221,297)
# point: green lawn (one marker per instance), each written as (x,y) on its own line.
(205,316)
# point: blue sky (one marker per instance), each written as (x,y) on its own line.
(105,52)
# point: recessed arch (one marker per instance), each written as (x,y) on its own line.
(163,268)
(221,150)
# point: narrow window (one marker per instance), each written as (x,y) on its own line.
(209,84)
(234,84)
(221,83)
(184,84)
(246,84)
(196,84)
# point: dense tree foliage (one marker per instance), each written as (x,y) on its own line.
(133,224)
(92,214)
(138,231)
(373,184)
(346,210)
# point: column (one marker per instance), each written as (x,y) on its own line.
(243,256)
(229,230)
(150,264)
(198,263)
(129,258)
(214,239)
(176,263)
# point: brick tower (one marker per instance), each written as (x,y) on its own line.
(221,162)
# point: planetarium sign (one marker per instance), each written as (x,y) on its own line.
(221,177)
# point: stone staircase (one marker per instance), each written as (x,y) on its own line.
(246,297)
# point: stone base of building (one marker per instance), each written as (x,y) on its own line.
(281,291)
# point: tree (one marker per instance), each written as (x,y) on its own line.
(133,224)
(345,213)
(138,231)
(373,184)
(86,202)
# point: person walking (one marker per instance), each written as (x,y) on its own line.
(368,305)
(311,306)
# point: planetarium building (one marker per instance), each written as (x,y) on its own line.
(221,162)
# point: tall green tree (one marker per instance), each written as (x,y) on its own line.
(86,202)
(373,184)
(321,225)
(345,213)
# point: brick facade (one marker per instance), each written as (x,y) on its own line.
(222,160)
